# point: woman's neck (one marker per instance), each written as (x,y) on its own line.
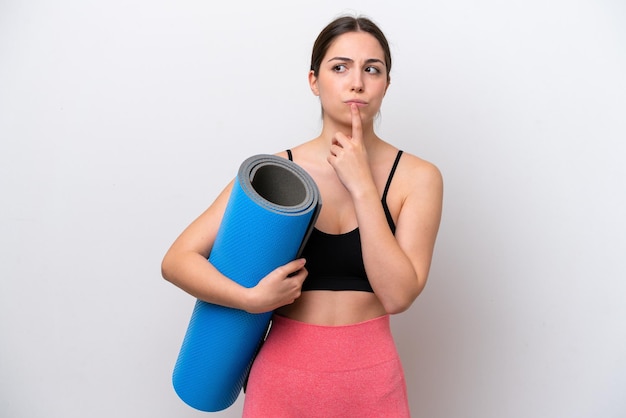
(329,130)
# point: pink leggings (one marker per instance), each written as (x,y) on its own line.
(306,370)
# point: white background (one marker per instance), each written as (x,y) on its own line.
(120,121)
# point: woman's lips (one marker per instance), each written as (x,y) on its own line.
(359,103)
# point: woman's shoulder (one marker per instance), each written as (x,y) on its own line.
(415,172)
(301,151)
(415,163)
(284,153)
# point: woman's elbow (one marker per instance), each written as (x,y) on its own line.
(398,306)
(403,301)
(167,267)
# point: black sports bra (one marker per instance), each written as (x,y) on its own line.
(335,261)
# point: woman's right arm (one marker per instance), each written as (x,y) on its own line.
(185,265)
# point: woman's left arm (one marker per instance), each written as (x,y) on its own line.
(398,266)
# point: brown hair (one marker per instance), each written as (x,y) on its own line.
(343,25)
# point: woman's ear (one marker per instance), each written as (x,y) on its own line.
(313,83)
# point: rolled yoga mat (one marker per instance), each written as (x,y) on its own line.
(270,213)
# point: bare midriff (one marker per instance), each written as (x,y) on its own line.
(333,308)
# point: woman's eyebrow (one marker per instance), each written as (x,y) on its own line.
(367,61)
(340,59)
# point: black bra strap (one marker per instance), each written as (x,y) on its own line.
(391,173)
(290,155)
(390,221)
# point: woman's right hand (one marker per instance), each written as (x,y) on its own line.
(280,287)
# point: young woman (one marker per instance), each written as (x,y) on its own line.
(330,351)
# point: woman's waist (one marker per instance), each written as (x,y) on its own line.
(333,308)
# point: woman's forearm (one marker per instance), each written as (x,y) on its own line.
(194,274)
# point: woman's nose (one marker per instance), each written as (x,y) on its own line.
(357,89)
(357,84)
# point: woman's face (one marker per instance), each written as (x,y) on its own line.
(352,71)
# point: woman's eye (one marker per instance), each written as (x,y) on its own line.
(339,68)
(372,70)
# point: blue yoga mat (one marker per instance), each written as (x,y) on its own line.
(270,213)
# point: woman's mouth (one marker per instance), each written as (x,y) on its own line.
(358,103)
